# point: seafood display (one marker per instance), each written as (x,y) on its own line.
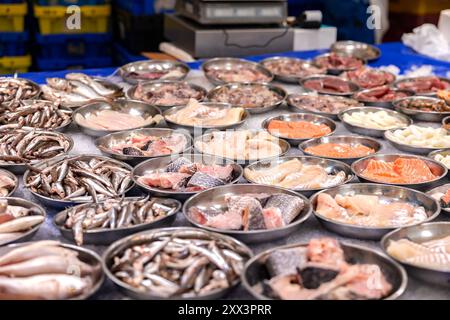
(442,197)
(298,129)
(203,115)
(381,94)
(7,183)
(320,270)
(368,78)
(167,93)
(235,70)
(36,114)
(16,220)
(293,174)
(329,85)
(156,73)
(79,179)
(424,104)
(418,136)
(18,146)
(291,67)
(250,212)
(183,175)
(115,214)
(444,159)
(444,95)
(45,271)
(13,90)
(424,85)
(321,103)
(184,263)
(335,61)
(240,145)
(432,254)
(381,120)
(340,150)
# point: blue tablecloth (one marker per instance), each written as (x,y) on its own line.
(392,54)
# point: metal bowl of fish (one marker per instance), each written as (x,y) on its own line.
(101,118)
(201,265)
(166,94)
(325,267)
(357,49)
(114,219)
(306,175)
(247,212)
(367,211)
(404,170)
(423,250)
(330,85)
(219,71)
(136,146)
(8,183)
(183,176)
(382,97)
(151,70)
(441,195)
(16,89)
(79,179)
(336,63)
(347,149)
(26,146)
(241,146)
(197,117)
(442,156)
(255,97)
(424,85)
(296,128)
(291,70)
(49,270)
(427,109)
(373,122)
(19,220)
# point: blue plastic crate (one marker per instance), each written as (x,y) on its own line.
(123,56)
(70,2)
(142,7)
(74,46)
(13,43)
(74,63)
(11,1)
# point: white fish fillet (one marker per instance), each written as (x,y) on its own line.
(439,261)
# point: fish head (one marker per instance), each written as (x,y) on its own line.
(59,83)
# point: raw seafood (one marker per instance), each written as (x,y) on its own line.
(328,84)
(434,254)
(115,214)
(418,136)
(112,120)
(182,175)
(237,73)
(200,115)
(246,96)
(7,184)
(138,144)
(381,94)
(445,160)
(289,67)
(424,104)
(424,85)
(240,145)
(319,271)
(80,179)
(322,103)
(340,150)
(444,95)
(338,62)
(293,174)
(167,94)
(443,198)
(250,212)
(381,120)
(44,271)
(173,73)
(16,220)
(369,210)
(401,171)
(13,90)
(30,145)
(368,78)
(298,129)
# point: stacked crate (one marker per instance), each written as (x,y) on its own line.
(62,43)
(14,55)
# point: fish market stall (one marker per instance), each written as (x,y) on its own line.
(330,125)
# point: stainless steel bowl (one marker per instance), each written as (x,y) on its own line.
(407,147)
(379,104)
(330,166)
(284,145)
(432,93)
(437,168)
(441,189)
(442,152)
(365,141)
(200,129)
(353,86)
(261,109)
(36,86)
(87,256)
(151,66)
(122,105)
(215,198)
(160,164)
(367,131)
(428,116)
(357,49)
(307,117)
(432,208)
(255,271)
(60,128)
(13,177)
(446,123)
(287,78)
(24,236)
(104,144)
(337,71)
(154,85)
(111,86)
(56,203)
(419,234)
(120,246)
(108,236)
(229,64)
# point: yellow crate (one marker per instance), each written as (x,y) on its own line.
(418,7)
(12,17)
(54,19)
(10,65)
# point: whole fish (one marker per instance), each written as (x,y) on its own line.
(95,85)
(13,90)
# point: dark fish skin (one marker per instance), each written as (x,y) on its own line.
(312,276)
(131,151)
(176,165)
(290,206)
(252,212)
(286,261)
(204,181)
